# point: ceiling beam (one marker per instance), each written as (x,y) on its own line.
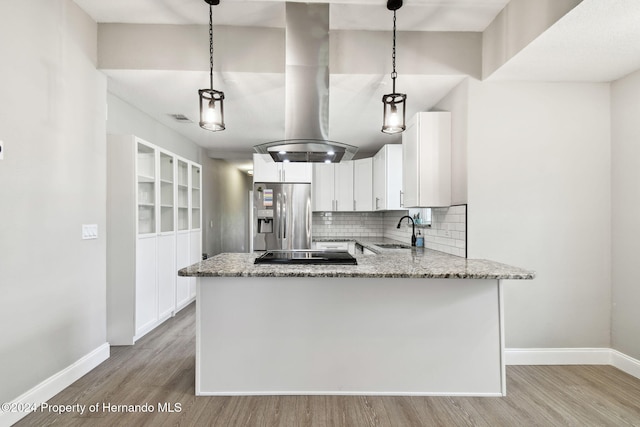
(519,23)
(186,48)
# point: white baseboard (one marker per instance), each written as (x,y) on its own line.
(625,363)
(54,385)
(557,356)
(573,356)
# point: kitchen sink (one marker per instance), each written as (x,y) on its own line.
(392,246)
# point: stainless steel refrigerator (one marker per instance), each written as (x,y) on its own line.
(281,216)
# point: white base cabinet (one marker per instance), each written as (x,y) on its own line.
(166,275)
(183,285)
(426,150)
(146,304)
(336,246)
(190,252)
(195,255)
(145,207)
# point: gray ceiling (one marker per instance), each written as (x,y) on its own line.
(599,40)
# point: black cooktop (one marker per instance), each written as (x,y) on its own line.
(305,256)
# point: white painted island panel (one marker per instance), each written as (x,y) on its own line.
(319,335)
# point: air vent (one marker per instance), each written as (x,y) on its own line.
(181,118)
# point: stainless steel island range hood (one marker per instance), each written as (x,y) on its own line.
(307,90)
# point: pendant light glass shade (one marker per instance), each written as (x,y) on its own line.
(393,118)
(211,109)
(211,101)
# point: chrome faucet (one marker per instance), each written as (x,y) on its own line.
(413,229)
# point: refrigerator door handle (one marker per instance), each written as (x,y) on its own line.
(279,214)
(284,215)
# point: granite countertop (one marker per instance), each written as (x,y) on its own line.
(386,263)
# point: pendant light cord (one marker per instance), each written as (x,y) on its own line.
(211,46)
(393,56)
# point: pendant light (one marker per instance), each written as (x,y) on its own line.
(211,108)
(393,119)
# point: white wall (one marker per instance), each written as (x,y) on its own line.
(539,179)
(52,180)
(225,189)
(180,47)
(625,153)
(125,119)
(225,202)
(456,102)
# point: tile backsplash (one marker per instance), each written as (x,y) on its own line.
(447,232)
(345,224)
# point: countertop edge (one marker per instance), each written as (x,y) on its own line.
(386,265)
(185,273)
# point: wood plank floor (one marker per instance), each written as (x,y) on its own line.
(160,370)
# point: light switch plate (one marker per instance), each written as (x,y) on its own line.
(89,231)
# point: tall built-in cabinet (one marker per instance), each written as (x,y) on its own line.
(189,235)
(426,147)
(147,213)
(387,178)
(166,247)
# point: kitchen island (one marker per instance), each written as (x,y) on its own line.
(402,322)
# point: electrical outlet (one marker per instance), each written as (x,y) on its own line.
(89,231)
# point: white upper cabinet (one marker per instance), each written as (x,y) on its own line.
(332,186)
(296,172)
(266,170)
(426,152)
(387,178)
(343,186)
(322,189)
(363,184)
